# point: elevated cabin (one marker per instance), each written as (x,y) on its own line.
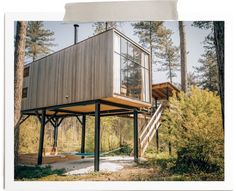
(106,74)
(108,66)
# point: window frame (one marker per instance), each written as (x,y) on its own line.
(144,66)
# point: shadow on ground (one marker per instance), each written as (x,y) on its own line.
(31,172)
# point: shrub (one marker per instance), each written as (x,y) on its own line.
(194,125)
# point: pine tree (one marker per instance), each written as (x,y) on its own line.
(207,72)
(38,40)
(168,55)
(192,79)
(219,43)
(183,55)
(150,33)
(18,81)
(103,26)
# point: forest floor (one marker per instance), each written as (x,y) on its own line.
(152,169)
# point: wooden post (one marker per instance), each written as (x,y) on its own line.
(41,140)
(83,135)
(97,136)
(135,135)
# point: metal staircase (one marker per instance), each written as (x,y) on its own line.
(147,131)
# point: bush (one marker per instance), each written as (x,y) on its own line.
(193,122)
(191,159)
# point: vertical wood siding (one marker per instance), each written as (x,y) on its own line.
(78,73)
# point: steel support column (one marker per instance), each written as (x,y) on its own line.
(157,135)
(97,136)
(83,135)
(55,135)
(157,140)
(135,135)
(41,140)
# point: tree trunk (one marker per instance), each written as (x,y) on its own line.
(18,81)
(219,43)
(183,56)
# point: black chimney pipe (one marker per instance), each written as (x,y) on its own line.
(75,33)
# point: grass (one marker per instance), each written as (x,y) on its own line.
(30,172)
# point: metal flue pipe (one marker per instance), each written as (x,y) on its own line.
(75,32)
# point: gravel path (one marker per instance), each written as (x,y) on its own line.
(83,166)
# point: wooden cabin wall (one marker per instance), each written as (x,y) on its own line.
(78,73)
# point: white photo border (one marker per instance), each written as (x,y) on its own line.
(10,184)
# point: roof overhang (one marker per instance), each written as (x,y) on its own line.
(162,91)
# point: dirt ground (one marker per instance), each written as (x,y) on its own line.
(126,174)
(31,159)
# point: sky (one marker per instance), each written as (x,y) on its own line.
(64,36)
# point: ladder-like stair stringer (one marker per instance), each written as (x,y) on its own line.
(148,131)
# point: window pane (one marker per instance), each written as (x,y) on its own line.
(116,43)
(24,92)
(147,85)
(137,55)
(123,47)
(123,76)
(130,51)
(134,80)
(116,73)
(146,61)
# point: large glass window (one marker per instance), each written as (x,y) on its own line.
(131,71)
(123,47)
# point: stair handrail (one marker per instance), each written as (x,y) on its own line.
(151,120)
(151,129)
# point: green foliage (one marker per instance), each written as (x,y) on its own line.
(38,40)
(150,35)
(156,37)
(29,135)
(203,24)
(115,132)
(103,26)
(207,72)
(193,122)
(168,55)
(27,172)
